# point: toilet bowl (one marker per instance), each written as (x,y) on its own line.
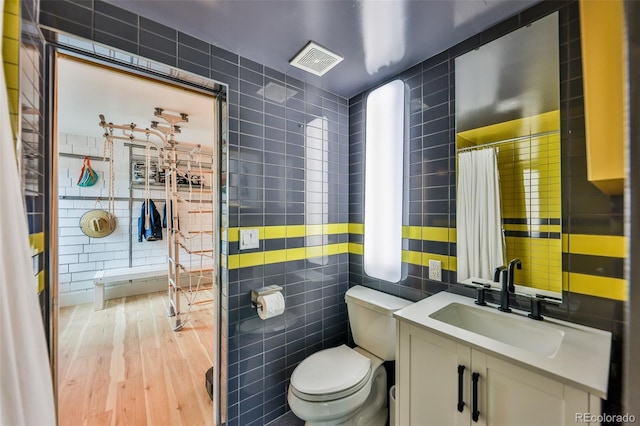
(345,386)
(337,386)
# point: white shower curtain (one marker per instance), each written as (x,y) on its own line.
(480,240)
(26,392)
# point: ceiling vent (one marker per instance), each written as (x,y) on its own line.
(316,59)
(277,92)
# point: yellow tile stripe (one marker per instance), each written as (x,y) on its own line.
(597,245)
(40,281)
(291,231)
(36,243)
(429,233)
(610,288)
(246,260)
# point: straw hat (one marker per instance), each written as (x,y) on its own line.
(97,223)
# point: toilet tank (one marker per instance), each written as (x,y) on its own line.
(371,319)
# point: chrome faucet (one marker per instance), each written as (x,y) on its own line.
(501,276)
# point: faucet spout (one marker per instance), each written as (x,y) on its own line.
(514,263)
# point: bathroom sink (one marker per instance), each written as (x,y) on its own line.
(522,333)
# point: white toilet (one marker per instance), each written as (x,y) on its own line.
(344,386)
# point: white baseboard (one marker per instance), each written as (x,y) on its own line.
(114,291)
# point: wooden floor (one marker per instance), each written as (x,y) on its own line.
(125,365)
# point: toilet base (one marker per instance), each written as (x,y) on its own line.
(373,412)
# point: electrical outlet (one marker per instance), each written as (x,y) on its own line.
(435,270)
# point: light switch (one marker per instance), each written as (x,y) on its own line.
(249,239)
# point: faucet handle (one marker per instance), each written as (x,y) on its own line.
(536,302)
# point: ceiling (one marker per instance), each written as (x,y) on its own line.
(84,94)
(377,38)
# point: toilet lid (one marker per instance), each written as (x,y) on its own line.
(330,371)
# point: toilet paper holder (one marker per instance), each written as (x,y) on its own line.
(263,292)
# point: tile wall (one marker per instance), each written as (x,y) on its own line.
(287,177)
(592,222)
(34,151)
(316,254)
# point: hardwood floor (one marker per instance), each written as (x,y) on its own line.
(125,366)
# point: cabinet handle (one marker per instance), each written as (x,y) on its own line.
(475,414)
(460,385)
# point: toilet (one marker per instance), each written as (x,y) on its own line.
(345,386)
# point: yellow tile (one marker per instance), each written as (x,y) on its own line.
(337,228)
(234,234)
(271,232)
(332,249)
(453,263)
(275,256)
(296,231)
(10,52)
(356,228)
(597,245)
(251,259)
(234,261)
(296,254)
(11,28)
(312,252)
(453,236)
(431,233)
(609,288)
(12,6)
(356,248)
(412,257)
(40,282)
(413,232)
(313,230)
(37,243)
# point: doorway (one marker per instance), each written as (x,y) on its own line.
(155,148)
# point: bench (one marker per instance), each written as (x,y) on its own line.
(122,274)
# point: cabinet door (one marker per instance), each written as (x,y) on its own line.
(427,391)
(511,395)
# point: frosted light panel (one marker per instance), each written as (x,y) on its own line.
(383,182)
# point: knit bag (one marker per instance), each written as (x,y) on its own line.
(87,176)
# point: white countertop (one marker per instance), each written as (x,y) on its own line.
(582,360)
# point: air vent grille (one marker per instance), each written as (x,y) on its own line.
(316,59)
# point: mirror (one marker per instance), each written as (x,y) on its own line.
(508,158)
(131,329)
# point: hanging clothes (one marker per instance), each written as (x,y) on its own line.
(26,394)
(480,242)
(149,223)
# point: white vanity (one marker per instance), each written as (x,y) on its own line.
(463,364)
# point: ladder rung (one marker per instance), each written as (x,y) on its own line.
(188,250)
(200,211)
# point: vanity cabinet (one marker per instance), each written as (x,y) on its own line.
(438,379)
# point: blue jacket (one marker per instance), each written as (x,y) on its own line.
(154,232)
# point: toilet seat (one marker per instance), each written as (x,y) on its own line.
(331,374)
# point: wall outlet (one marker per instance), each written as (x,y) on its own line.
(435,270)
(249,239)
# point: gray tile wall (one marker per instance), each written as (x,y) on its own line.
(273,180)
(34,161)
(432,192)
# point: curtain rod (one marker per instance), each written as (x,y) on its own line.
(486,145)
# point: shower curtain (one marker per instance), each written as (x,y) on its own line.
(480,240)
(26,391)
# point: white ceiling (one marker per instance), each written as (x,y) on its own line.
(85,91)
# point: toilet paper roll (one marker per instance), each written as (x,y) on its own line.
(270,305)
